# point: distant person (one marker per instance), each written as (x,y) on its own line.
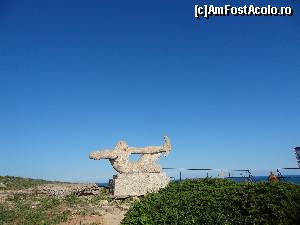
(272,177)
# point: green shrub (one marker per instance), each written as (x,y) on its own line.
(219,201)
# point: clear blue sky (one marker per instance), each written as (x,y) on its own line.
(76,76)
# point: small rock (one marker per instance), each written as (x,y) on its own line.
(103,202)
(135,198)
(2,185)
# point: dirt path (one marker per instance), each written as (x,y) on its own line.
(113,218)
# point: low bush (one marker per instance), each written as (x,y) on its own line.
(219,201)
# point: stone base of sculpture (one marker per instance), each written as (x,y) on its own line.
(137,184)
(139,177)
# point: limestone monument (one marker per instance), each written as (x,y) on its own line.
(138,177)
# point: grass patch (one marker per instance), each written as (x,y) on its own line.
(29,210)
(27,207)
(18,183)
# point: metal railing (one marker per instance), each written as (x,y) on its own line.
(248,176)
(286,177)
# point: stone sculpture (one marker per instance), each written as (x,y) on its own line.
(137,177)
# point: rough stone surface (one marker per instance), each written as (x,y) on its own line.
(138,177)
(63,190)
(136,184)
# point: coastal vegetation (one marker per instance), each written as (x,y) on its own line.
(25,201)
(219,201)
(201,201)
(18,183)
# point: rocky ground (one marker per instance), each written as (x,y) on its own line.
(30,202)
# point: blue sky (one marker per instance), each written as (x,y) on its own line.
(76,76)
